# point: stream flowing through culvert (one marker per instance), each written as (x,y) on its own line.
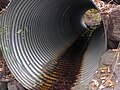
(65,72)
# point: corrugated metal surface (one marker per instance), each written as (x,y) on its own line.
(38,32)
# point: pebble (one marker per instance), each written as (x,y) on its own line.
(15,86)
(3,86)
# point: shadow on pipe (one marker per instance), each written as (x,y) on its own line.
(43,47)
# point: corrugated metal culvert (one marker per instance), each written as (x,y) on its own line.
(43,46)
(116,1)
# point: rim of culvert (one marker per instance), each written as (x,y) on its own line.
(5,74)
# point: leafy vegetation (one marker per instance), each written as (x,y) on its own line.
(92,18)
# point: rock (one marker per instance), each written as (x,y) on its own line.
(3,86)
(112,27)
(112,44)
(4,3)
(108,57)
(117,72)
(117,86)
(15,86)
(107,88)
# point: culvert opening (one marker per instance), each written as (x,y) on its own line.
(92,18)
(50,28)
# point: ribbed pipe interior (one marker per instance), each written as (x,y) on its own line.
(40,31)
